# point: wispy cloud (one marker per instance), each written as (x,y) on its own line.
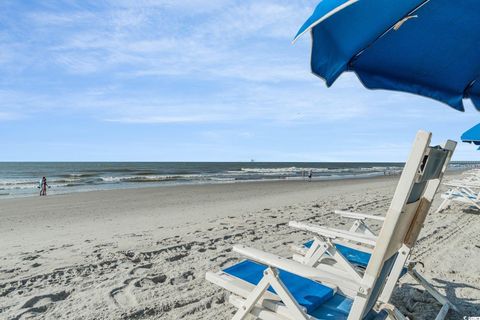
(152,119)
(168,38)
(6,116)
(209,65)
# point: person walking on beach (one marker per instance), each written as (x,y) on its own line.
(310,174)
(43,187)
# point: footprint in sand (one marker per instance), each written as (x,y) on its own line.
(122,296)
(150,281)
(183,278)
(41,303)
(177,257)
(31,258)
(140,269)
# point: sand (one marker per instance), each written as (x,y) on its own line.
(143,254)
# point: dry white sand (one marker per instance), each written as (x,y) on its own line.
(142,254)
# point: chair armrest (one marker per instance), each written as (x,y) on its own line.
(330,279)
(335,233)
(358,215)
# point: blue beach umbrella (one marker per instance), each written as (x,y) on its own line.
(430,48)
(472,135)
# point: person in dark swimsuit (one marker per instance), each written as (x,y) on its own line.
(43,187)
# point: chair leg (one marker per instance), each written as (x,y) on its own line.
(393,312)
(443,206)
(292,305)
(446,304)
(321,249)
(360,227)
(392,280)
(443,312)
(475,204)
(270,278)
(315,253)
(252,299)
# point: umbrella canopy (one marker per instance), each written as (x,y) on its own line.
(472,135)
(430,48)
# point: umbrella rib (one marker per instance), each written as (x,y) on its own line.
(385,32)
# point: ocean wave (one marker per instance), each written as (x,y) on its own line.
(153,178)
(280,171)
(299,170)
(222,179)
(69,185)
(18,182)
(145,173)
(79,175)
(20,187)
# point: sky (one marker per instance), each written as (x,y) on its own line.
(192,80)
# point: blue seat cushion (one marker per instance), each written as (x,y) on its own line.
(338,308)
(320,301)
(355,257)
(463,196)
(307,293)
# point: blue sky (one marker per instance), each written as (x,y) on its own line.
(200,80)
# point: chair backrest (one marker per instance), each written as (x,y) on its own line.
(411,202)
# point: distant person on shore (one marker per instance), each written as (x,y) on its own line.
(43,187)
(310,174)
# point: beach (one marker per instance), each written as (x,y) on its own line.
(143,253)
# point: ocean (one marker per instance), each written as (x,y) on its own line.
(19,179)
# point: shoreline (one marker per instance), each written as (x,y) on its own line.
(20,180)
(125,187)
(201,184)
(145,185)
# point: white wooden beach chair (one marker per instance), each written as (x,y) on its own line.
(352,250)
(271,287)
(467,192)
